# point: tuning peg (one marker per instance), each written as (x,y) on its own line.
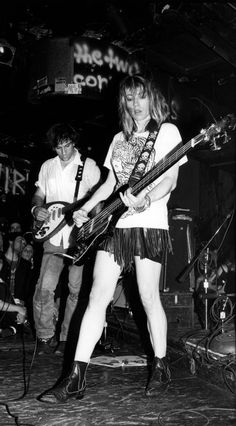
(214,146)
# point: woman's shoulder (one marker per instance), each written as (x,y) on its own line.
(170,130)
(118,136)
(169,127)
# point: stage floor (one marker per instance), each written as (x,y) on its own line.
(115,386)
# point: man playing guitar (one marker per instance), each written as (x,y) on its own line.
(58,182)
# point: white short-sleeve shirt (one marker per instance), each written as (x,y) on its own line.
(122,157)
(58,184)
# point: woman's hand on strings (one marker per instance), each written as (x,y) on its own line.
(131,201)
(80,217)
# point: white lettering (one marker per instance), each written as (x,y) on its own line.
(79,79)
(81,54)
(13,180)
(97,57)
(91,81)
(6,186)
(102,81)
(17,179)
(86,55)
(112,60)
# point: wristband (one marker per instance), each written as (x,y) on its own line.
(33,210)
(148,201)
(146,205)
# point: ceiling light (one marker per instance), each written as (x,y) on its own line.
(7,53)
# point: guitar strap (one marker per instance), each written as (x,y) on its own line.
(78,176)
(142,161)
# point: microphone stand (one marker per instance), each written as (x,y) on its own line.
(183,275)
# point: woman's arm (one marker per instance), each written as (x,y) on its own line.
(101,194)
(163,187)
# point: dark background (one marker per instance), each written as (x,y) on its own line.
(189,46)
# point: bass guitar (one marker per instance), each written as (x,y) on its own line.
(97,227)
(60,214)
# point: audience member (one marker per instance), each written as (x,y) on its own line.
(13,313)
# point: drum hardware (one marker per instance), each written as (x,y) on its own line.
(203,253)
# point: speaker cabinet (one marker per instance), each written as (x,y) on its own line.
(182,241)
(179,309)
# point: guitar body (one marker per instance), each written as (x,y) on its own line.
(82,249)
(99,227)
(60,215)
(43,230)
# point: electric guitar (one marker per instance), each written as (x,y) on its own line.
(101,224)
(60,215)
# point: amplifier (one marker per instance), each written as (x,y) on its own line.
(182,241)
(179,309)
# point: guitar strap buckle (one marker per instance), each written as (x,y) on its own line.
(78,177)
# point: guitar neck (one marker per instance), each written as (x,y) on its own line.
(163,165)
(75,205)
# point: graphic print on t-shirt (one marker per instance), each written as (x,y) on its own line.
(124,158)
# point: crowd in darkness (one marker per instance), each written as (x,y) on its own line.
(18,276)
(20,261)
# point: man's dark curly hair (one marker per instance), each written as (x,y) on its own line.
(60,133)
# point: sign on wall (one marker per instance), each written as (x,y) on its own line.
(80,66)
(96,63)
(13,177)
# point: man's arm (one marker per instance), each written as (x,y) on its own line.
(101,194)
(38,211)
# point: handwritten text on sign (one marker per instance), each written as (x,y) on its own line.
(11,180)
(107,60)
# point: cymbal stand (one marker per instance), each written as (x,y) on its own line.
(206,286)
(182,276)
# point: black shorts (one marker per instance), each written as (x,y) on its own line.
(148,243)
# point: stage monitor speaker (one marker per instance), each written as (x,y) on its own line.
(182,240)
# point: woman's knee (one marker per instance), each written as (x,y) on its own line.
(100,296)
(150,300)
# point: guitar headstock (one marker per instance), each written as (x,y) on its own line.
(217,133)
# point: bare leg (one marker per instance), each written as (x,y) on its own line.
(148,276)
(106,274)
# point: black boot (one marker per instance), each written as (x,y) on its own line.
(159,377)
(71,386)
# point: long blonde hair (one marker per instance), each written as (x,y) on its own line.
(159,110)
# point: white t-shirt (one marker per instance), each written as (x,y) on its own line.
(122,157)
(58,184)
